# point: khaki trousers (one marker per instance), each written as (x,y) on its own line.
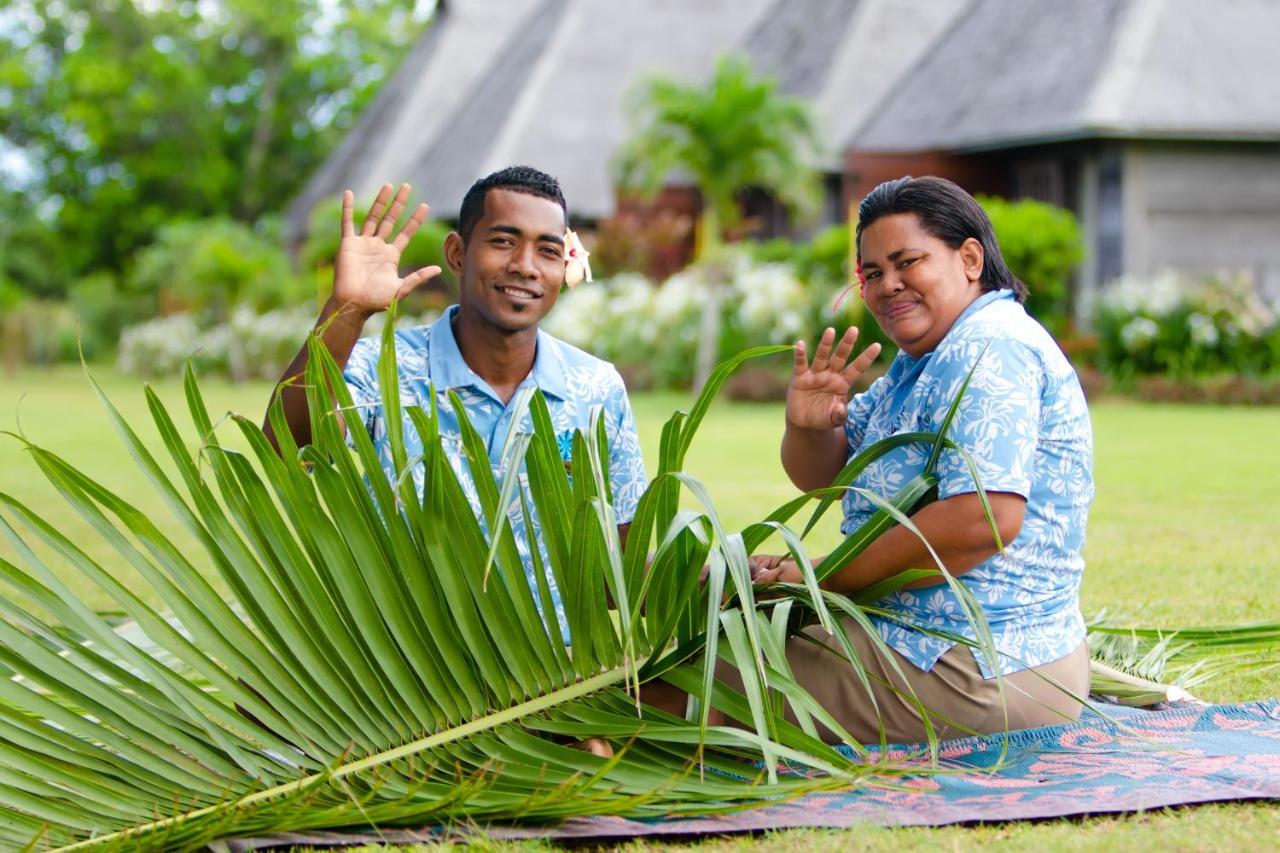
(956,697)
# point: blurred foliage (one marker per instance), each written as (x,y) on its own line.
(104,306)
(31,258)
(822,263)
(823,259)
(1182,328)
(1041,244)
(652,330)
(652,242)
(211,266)
(132,116)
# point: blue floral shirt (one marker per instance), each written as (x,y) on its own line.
(1024,421)
(573,382)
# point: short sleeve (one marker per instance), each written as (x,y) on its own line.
(859,412)
(627,477)
(361,375)
(997,422)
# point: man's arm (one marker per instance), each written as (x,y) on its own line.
(366,280)
(340,327)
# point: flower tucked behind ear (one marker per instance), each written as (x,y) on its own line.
(576,267)
(862,287)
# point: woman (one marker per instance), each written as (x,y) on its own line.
(935,280)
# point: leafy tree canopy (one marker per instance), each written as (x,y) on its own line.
(120,116)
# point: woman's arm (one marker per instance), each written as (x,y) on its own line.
(956,527)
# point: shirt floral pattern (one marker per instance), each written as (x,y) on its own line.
(574,383)
(1024,421)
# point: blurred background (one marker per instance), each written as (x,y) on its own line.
(170,169)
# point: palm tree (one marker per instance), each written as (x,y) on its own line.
(737,133)
(380,658)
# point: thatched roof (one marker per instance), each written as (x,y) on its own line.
(544,82)
(1009,74)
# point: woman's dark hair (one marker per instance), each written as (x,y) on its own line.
(947,212)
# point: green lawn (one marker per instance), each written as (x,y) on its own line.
(1183,531)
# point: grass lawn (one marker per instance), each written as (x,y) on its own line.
(1183,531)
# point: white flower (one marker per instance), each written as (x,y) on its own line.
(1203,331)
(1156,296)
(576,266)
(1138,332)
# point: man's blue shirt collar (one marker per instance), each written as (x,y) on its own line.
(450,370)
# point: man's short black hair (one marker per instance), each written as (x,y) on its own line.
(521,179)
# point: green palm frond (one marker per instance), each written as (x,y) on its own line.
(1143,665)
(380,655)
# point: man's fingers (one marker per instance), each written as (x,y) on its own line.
(375,212)
(393,215)
(348,201)
(411,227)
(822,356)
(862,362)
(415,279)
(844,348)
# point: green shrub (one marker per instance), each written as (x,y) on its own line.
(104,307)
(1041,244)
(1186,328)
(209,266)
(822,264)
(652,331)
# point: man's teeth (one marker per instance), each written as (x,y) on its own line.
(519,292)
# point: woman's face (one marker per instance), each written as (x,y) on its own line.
(917,285)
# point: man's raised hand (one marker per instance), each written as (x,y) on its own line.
(366,274)
(818,394)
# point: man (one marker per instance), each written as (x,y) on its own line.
(509,256)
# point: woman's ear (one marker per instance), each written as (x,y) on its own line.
(972,257)
(455,251)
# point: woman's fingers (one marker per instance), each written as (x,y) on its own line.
(844,348)
(822,356)
(802,360)
(393,215)
(375,213)
(862,362)
(760,563)
(839,412)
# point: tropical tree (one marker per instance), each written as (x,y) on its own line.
(381,658)
(736,133)
(127,115)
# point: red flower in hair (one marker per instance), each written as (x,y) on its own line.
(862,287)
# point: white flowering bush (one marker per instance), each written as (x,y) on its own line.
(250,345)
(159,347)
(1186,327)
(655,327)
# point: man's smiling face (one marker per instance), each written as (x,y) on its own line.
(512,265)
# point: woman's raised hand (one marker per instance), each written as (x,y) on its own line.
(366,274)
(818,394)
